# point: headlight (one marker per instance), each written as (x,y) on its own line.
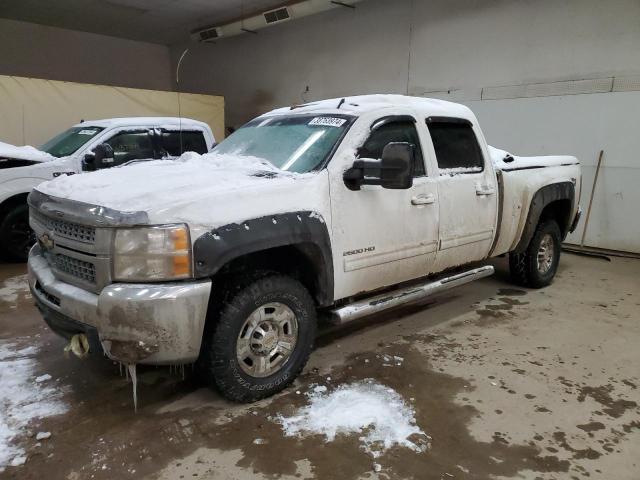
(160,252)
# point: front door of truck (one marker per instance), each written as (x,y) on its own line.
(467,192)
(380,236)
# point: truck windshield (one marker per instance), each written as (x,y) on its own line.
(297,143)
(70,141)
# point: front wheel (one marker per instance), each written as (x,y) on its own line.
(261,340)
(537,265)
(16,236)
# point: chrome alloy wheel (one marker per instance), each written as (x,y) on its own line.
(267,339)
(545,256)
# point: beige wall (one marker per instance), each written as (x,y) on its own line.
(34,110)
(31,50)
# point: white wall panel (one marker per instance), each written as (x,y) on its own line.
(581,125)
(517,52)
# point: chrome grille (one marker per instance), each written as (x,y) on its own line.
(76,238)
(73,231)
(77,268)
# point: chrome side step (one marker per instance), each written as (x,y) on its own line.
(406,295)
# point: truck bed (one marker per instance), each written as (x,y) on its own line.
(519,178)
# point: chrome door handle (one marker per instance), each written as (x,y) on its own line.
(423,199)
(483,190)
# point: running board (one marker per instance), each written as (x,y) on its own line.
(411,294)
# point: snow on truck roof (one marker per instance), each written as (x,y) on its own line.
(145,121)
(361,104)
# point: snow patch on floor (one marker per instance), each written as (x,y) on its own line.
(12,287)
(22,399)
(376,413)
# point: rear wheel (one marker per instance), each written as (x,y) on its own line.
(16,236)
(261,340)
(537,265)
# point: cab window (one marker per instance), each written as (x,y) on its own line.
(401,131)
(456,146)
(192,141)
(131,145)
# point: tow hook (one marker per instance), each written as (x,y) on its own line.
(78,345)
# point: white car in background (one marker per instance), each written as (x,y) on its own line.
(87,146)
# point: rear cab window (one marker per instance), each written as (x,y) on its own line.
(456,146)
(176,143)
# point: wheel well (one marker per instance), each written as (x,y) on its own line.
(11,202)
(560,211)
(301,261)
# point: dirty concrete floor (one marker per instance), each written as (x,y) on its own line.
(509,383)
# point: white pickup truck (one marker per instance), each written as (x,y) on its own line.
(125,139)
(338,208)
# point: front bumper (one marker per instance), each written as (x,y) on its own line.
(156,324)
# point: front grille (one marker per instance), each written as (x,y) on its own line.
(77,268)
(73,231)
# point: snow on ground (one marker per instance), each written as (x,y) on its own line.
(12,287)
(22,399)
(376,413)
(24,153)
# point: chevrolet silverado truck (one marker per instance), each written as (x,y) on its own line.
(116,141)
(335,209)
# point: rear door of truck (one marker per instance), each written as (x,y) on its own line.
(467,191)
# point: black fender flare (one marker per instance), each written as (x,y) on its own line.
(305,230)
(542,198)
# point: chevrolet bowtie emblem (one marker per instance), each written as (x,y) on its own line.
(46,242)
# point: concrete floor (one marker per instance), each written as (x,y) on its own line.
(509,383)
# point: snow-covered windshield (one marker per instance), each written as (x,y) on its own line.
(296,143)
(70,141)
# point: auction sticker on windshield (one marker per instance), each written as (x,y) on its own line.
(328,121)
(87,132)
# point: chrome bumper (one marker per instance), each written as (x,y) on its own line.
(159,323)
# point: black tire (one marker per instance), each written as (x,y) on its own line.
(219,365)
(524,266)
(16,237)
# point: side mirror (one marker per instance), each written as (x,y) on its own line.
(101,157)
(394,170)
(397,161)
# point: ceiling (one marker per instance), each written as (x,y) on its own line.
(158,21)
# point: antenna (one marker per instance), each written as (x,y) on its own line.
(178,90)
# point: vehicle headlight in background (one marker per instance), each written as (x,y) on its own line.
(161,252)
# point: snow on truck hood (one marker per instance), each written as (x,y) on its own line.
(24,153)
(204,191)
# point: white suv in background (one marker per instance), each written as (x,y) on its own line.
(119,141)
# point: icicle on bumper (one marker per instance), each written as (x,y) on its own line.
(134,381)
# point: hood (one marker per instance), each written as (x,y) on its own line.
(201,190)
(504,160)
(12,156)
